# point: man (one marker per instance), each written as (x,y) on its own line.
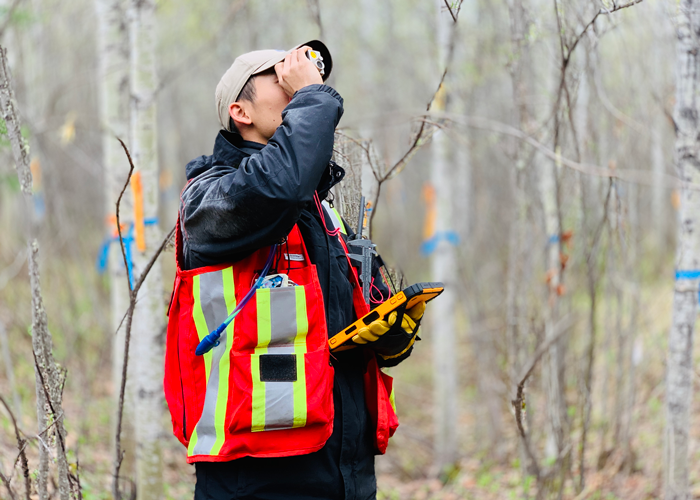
(269,170)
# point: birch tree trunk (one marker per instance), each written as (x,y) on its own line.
(443,269)
(113,86)
(516,231)
(679,374)
(520,263)
(149,315)
(370,186)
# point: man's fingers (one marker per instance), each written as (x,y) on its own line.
(301,53)
(392,318)
(364,335)
(416,312)
(279,68)
(408,324)
(379,327)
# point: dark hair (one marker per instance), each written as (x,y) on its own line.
(248,94)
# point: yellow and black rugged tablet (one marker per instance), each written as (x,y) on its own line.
(406,299)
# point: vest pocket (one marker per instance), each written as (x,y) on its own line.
(286,390)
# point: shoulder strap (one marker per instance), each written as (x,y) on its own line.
(335,217)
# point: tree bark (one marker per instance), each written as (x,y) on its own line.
(49,380)
(149,314)
(679,375)
(113,85)
(443,269)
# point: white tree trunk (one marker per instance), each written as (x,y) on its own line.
(553,383)
(149,316)
(679,375)
(443,269)
(113,86)
(368,28)
(114,112)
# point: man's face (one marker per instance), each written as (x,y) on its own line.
(270,101)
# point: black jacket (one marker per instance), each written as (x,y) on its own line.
(246,196)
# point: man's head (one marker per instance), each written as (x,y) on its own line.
(255,90)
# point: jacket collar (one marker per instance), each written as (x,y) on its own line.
(230,149)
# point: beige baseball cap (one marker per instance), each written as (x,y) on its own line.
(252,63)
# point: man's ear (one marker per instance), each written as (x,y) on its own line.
(239,112)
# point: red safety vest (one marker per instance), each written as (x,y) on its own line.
(267,389)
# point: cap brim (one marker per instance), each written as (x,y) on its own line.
(316,45)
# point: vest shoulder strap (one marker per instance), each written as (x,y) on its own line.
(335,217)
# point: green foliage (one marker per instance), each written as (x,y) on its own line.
(11,181)
(484,479)
(392,494)
(21,17)
(655,405)
(449,473)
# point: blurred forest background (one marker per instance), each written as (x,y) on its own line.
(539,185)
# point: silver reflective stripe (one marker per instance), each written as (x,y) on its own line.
(283,316)
(279,398)
(211,292)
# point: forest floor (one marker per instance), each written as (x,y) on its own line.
(489,467)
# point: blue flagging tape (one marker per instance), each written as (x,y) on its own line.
(429,245)
(692,274)
(688,275)
(128,238)
(553,239)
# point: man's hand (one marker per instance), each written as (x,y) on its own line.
(400,337)
(297,71)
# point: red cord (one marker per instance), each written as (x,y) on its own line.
(374,287)
(323,217)
(386,282)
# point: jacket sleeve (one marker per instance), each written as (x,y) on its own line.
(230,211)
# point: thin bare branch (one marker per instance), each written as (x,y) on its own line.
(519,402)
(417,141)
(449,8)
(627,175)
(20,447)
(6,481)
(119,201)
(559,329)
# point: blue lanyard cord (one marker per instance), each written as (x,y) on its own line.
(212,340)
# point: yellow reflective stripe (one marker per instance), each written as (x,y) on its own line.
(340,221)
(200,323)
(193,443)
(262,298)
(299,351)
(392,399)
(224,365)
